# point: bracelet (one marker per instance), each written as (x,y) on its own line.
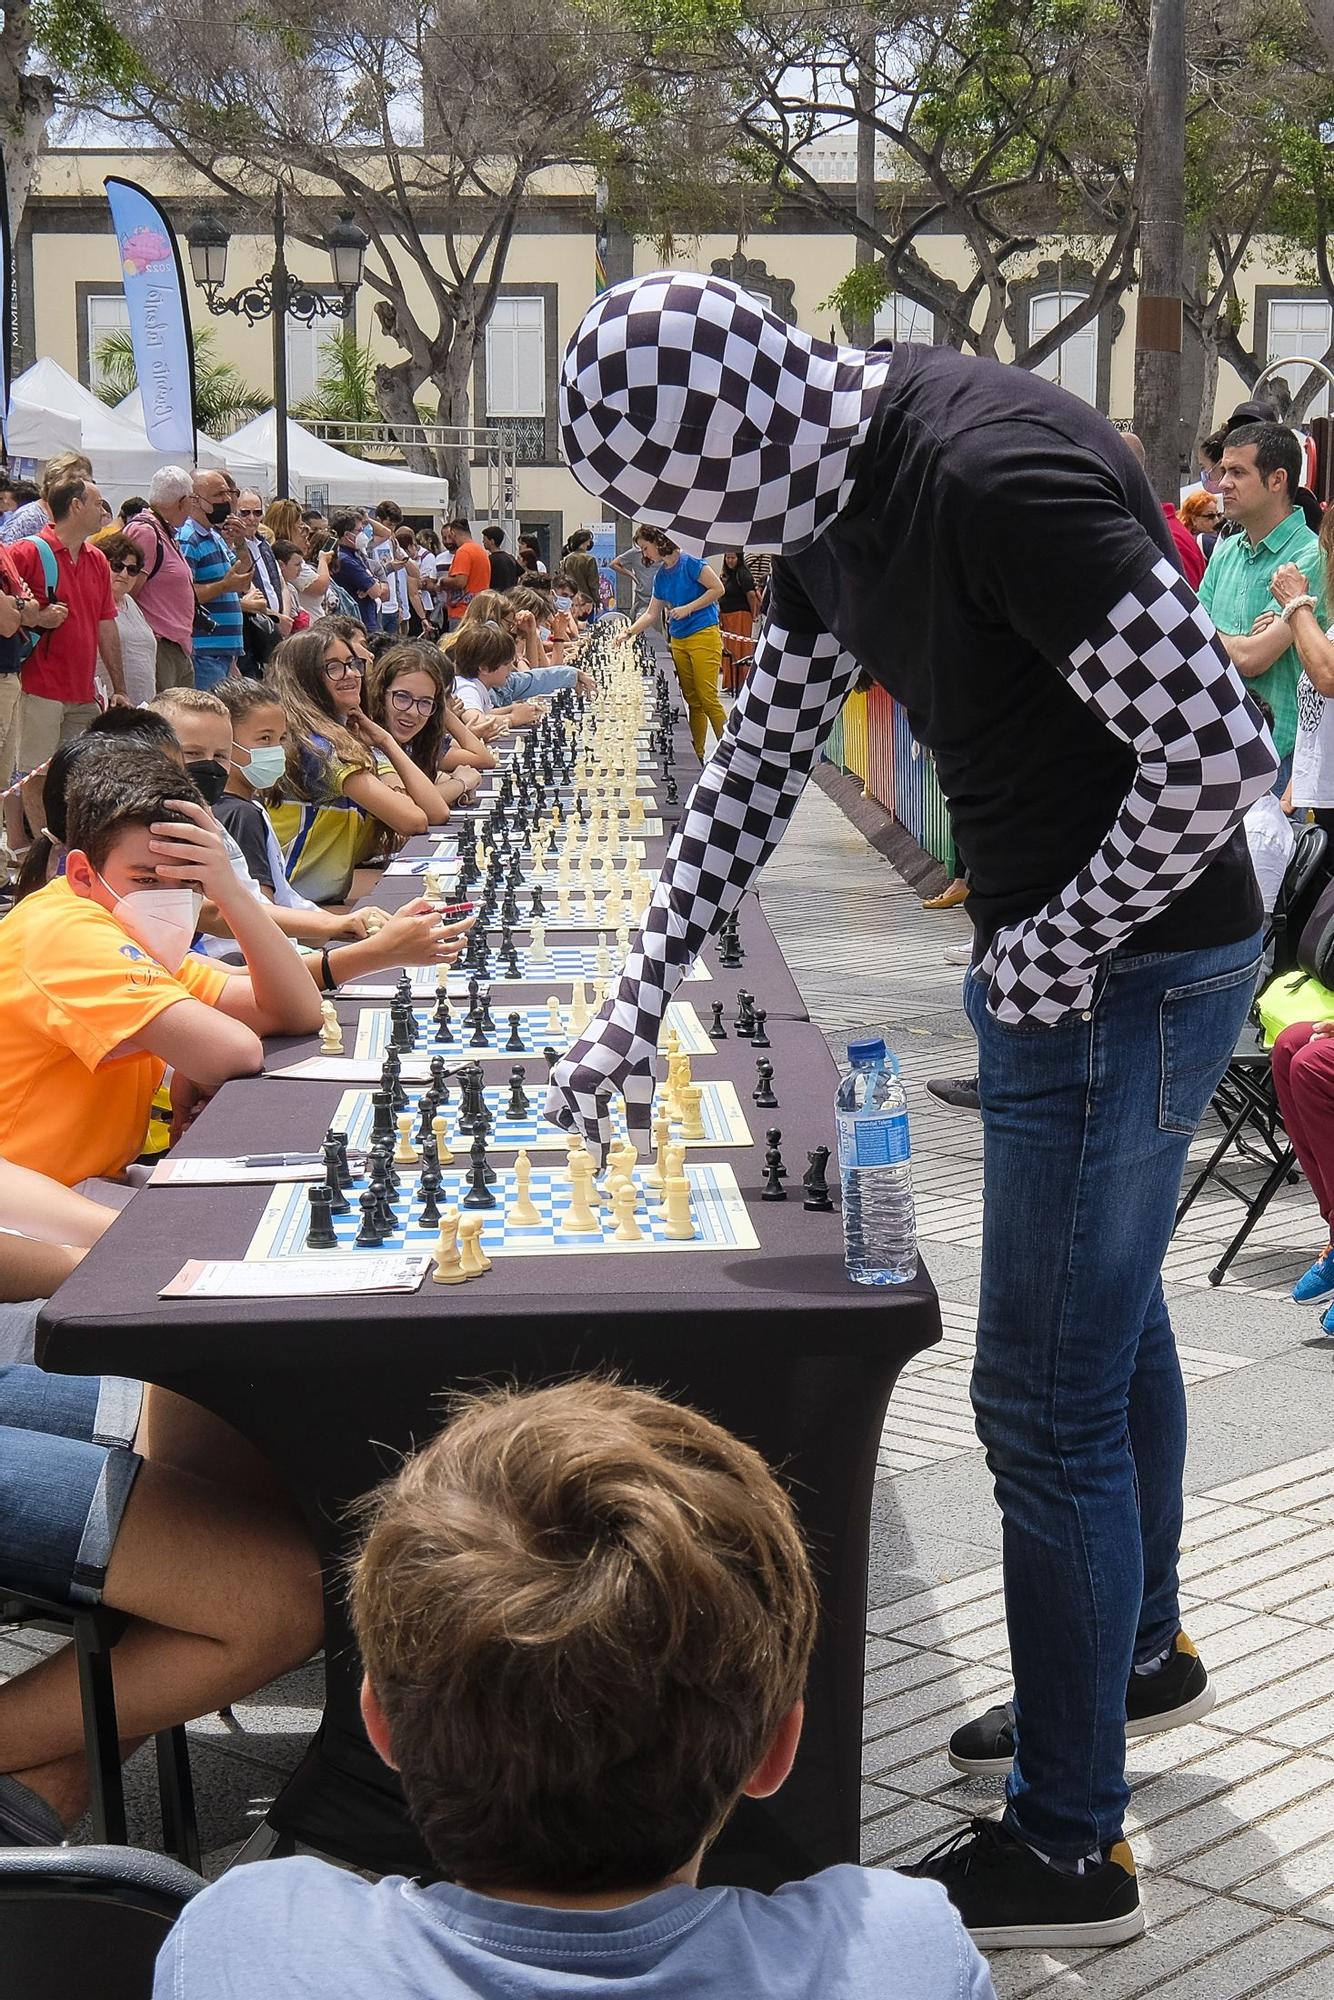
(1297,604)
(330,983)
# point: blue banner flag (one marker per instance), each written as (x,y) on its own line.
(159,316)
(7,306)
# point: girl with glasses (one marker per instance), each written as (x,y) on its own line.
(333,813)
(138,643)
(405,697)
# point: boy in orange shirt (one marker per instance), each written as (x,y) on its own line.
(99,992)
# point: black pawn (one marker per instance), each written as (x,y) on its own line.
(515,1038)
(321,1234)
(763,1093)
(427,1106)
(479,1194)
(772,1139)
(438,1083)
(759,1040)
(510,960)
(370,1235)
(428,1183)
(518,1104)
(815,1188)
(717,1032)
(537,907)
(443,1031)
(477,1039)
(773,1189)
(403,990)
(550,1057)
(473,1014)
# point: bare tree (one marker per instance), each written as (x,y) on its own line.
(431,126)
(27,100)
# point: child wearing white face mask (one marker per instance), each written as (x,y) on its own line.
(99,992)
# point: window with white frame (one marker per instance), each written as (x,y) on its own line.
(1300,326)
(516,358)
(904,319)
(1074,365)
(107,313)
(306,358)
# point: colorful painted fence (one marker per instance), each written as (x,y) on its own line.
(873,741)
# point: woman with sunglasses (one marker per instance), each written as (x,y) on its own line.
(333,811)
(405,695)
(138,642)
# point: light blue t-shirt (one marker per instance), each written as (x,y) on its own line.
(301,1930)
(528,683)
(678,585)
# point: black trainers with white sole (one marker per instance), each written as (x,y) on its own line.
(1178,1693)
(1010,1900)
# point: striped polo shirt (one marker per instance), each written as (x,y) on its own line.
(210,559)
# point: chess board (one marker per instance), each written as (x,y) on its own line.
(721,1113)
(535,1032)
(561,964)
(717,1210)
(444,859)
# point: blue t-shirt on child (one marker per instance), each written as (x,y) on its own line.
(678,585)
(301,1930)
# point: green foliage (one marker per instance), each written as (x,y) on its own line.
(85,47)
(858,297)
(345,385)
(224,400)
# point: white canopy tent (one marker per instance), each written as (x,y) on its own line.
(210,454)
(61,415)
(338,479)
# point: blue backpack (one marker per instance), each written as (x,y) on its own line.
(26,640)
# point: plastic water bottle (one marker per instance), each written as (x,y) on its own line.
(875,1166)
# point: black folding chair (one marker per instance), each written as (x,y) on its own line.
(93,1631)
(78,1922)
(1245,1102)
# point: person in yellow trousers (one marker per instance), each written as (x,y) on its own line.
(686,593)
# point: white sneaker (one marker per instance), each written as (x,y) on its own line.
(959,954)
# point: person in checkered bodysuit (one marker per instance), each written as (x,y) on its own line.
(986,547)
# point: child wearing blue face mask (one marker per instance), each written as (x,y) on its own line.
(99,991)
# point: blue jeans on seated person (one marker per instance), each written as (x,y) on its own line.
(1077,1387)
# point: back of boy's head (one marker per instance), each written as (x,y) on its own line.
(126,785)
(480,647)
(186,701)
(584,1611)
(138,725)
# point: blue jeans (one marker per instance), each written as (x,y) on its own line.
(210,668)
(1076,1387)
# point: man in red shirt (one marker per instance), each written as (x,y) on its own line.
(469,570)
(58,699)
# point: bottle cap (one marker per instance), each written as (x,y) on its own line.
(868,1051)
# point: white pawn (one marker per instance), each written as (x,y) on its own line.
(655,1176)
(331,1033)
(447,1266)
(442,980)
(555,1024)
(623,1207)
(440,1127)
(623,939)
(603,958)
(473,1260)
(580,1012)
(523,1212)
(405,1153)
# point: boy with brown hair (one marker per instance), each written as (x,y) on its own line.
(586,1615)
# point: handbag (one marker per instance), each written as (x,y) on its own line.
(1315,947)
(261,635)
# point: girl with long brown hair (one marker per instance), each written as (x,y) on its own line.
(405,694)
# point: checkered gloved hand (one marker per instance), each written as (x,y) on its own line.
(732,822)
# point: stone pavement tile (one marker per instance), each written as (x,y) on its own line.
(1290,1673)
(1306,1878)
(1190,1939)
(1224,1634)
(906,1833)
(1242,1422)
(891,1729)
(913,1608)
(232,1795)
(1314,1981)
(1317,1609)
(1262,1850)
(915,1670)
(1163,1785)
(883,1652)
(1174,1842)
(1247,1967)
(1257,1488)
(1255,1536)
(1274,1576)
(907,1560)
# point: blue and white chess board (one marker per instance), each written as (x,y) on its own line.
(721,1115)
(537,1031)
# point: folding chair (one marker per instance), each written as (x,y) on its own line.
(80,1921)
(94,1630)
(1245,1102)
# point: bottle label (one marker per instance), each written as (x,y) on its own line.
(874,1142)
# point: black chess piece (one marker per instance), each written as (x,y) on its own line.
(382,1113)
(428,1185)
(443,1030)
(438,1083)
(403,989)
(550,1057)
(484,1002)
(717,1032)
(518,1104)
(773,1189)
(391,1079)
(515,1038)
(472,1016)
(510,960)
(370,1235)
(744,1022)
(479,1194)
(321,1235)
(815,1187)
(427,1106)
(337,1141)
(759,1040)
(333,1177)
(430,1153)
(477,1039)
(763,1093)
(400,1027)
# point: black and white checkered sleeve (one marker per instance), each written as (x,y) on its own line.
(1156,674)
(732,822)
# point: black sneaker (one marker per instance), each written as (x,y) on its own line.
(959,1092)
(1178,1693)
(1008,1899)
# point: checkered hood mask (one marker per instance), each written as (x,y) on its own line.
(686,405)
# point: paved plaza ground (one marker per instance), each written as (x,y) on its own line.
(1232,1819)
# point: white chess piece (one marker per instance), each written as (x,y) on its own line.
(680,1222)
(331,1033)
(405,1153)
(537,942)
(447,1265)
(580,1012)
(655,1176)
(440,1127)
(603,959)
(523,1211)
(555,1024)
(623,1207)
(579,1219)
(473,1260)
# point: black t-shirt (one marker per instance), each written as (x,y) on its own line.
(504,569)
(248,825)
(737,585)
(993,520)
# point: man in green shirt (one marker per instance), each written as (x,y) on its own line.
(1262,469)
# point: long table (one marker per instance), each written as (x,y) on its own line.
(774,1342)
